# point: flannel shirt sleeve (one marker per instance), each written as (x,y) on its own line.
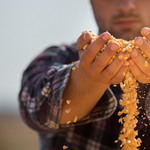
(43,82)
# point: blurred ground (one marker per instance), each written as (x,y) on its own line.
(16,135)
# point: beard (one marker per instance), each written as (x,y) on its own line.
(126,34)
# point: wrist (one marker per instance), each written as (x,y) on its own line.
(82,79)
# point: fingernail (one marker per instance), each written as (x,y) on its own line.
(134,53)
(139,41)
(145,32)
(131,62)
(105,37)
(84,36)
(114,46)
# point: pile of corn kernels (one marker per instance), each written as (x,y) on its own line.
(128,135)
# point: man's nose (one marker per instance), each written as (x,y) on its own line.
(126,6)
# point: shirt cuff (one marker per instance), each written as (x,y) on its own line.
(103,109)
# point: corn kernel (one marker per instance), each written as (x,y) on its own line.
(73,68)
(120,56)
(68,122)
(68,110)
(145,63)
(116,141)
(65,147)
(85,47)
(73,63)
(68,101)
(75,119)
(127,63)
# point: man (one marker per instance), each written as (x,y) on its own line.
(52,95)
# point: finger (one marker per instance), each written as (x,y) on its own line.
(120,75)
(103,59)
(143,45)
(146,32)
(140,61)
(114,67)
(93,49)
(138,74)
(84,39)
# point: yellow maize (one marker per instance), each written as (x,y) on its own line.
(129,101)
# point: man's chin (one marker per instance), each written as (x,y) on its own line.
(126,35)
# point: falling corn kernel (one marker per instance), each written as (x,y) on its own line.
(65,147)
(119,113)
(145,63)
(75,119)
(145,124)
(116,141)
(68,110)
(73,68)
(68,101)
(68,122)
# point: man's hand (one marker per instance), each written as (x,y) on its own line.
(96,70)
(89,82)
(141,72)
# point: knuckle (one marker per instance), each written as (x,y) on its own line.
(110,53)
(89,53)
(146,69)
(82,64)
(80,42)
(91,74)
(100,64)
(110,73)
(119,79)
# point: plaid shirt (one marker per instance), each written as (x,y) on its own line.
(40,101)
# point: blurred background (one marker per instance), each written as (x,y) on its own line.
(27,27)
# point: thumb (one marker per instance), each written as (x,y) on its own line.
(84,39)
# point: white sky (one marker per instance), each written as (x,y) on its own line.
(29,26)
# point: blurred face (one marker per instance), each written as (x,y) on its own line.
(122,18)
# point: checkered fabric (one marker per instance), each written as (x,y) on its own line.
(40,100)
